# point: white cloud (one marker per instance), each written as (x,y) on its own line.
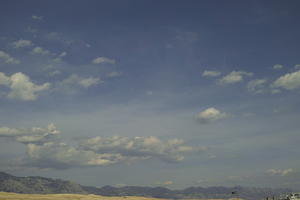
(114,74)
(21,87)
(63,54)
(74,82)
(100,60)
(45,150)
(289,81)
(210,115)
(31,135)
(139,148)
(209,73)
(297,66)
(88,82)
(234,77)
(62,156)
(60,56)
(40,51)
(22,43)
(280,172)
(4,80)
(278,66)
(256,85)
(6,58)
(38,18)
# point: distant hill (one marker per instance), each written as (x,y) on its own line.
(41,185)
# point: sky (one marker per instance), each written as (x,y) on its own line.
(151,93)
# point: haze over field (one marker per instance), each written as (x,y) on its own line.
(151,93)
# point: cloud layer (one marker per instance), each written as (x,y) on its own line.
(45,150)
(32,135)
(139,147)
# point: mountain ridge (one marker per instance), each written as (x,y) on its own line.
(42,185)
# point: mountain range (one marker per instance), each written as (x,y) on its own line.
(42,185)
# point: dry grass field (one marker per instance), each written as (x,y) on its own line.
(14,196)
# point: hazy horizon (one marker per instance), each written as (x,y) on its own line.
(151,93)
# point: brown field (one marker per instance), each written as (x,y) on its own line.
(14,196)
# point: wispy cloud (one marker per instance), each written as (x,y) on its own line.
(73,83)
(36,17)
(278,66)
(6,58)
(40,51)
(257,85)
(211,73)
(103,60)
(114,74)
(22,43)
(280,172)
(234,77)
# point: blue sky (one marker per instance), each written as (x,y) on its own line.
(156,93)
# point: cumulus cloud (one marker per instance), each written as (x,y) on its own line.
(21,87)
(6,58)
(289,81)
(30,135)
(278,66)
(209,73)
(139,148)
(114,74)
(40,51)
(257,85)
(280,172)
(210,115)
(103,60)
(22,43)
(234,77)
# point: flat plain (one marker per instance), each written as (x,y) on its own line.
(15,196)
